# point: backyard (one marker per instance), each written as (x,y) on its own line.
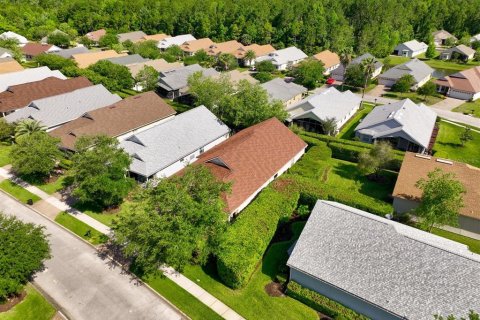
(447,67)
(33,307)
(348,130)
(472,108)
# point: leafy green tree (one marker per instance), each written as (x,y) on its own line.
(129,46)
(108,40)
(174,51)
(265,66)
(466,136)
(99,169)
(329,126)
(12,45)
(309,73)
(442,198)
(54,62)
(7,131)
(428,89)
(204,59)
(34,156)
(375,160)
(148,78)
(24,248)
(472,315)
(250,56)
(177,222)
(147,49)
(208,91)
(431,51)
(27,127)
(86,42)
(450,42)
(227,61)
(404,83)
(354,75)
(346,56)
(59,39)
(263,76)
(116,73)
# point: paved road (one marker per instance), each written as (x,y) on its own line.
(85,286)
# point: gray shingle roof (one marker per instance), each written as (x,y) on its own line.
(178,78)
(279,89)
(128,59)
(132,36)
(418,69)
(406,271)
(403,118)
(56,110)
(164,144)
(460,48)
(68,53)
(284,56)
(413,45)
(27,75)
(357,60)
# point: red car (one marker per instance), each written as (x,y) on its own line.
(330,81)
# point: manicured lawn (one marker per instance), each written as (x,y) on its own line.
(179,107)
(472,108)
(415,97)
(52,187)
(252,301)
(33,307)
(96,213)
(5,154)
(347,131)
(473,244)
(448,145)
(449,66)
(17,191)
(80,229)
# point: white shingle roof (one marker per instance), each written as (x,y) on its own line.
(177,40)
(414,45)
(12,35)
(284,56)
(178,78)
(409,272)
(26,76)
(419,70)
(279,89)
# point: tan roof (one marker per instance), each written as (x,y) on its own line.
(328,58)
(86,59)
(251,157)
(443,35)
(156,37)
(414,168)
(34,49)
(236,76)
(224,47)
(96,35)
(195,45)
(117,119)
(466,80)
(9,65)
(158,64)
(260,50)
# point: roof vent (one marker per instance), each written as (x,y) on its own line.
(422,156)
(445,161)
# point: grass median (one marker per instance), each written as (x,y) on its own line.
(18,192)
(80,228)
(33,307)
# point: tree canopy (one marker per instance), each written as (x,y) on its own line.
(148,78)
(375,160)
(354,75)
(309,73)
(404,83)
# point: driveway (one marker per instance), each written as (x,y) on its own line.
(85,286)
(448,104)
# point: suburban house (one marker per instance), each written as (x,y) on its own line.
(460,52)
(156,37)
(33,49)
(95,36)
(440,37)
(28,75)
(236,76)
(463,85)
(313,110)
(406,125)
(174,41)
(410,49)
(330,60)
(419,70)
(84,60)
(159,65)
(120,120)
(406,196)
(57,110)
(167,148)
(174,83)
(192,46)
(20,96)
(288,93)
(339,72)
(224,47)
(259,50)
(251,159)
(5,53)
(381,268)
(12,35)
(284,59)
(68,53)
(128,59)
(8,65)
(475,38)
(134,36)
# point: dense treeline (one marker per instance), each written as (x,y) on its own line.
(373,25)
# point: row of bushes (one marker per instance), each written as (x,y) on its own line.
(321,303)
(247,239)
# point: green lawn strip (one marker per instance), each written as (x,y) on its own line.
(5,154)
(472,108)
(449,65)
(473,244)
(17,191)
(33,307)
(415,97)
(448,145)
(96,213)
(252,301)
(348,130)
(80,228)
(51,187)
(177,106)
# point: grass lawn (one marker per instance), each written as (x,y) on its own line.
(179,107)
(473,244)
(96,213)
(449,66)
(448,145)
(5,154)
(472,108)
(33,307)
(80,229)
(52,187)
(415,97)
(252,302)
(17,191)
(347,131)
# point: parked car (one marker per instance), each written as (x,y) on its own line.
(330,81)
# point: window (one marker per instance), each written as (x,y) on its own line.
(202,150)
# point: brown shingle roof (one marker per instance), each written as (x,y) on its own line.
(466,80)
(9,65)
(260,50)
(96,35)
(21,95)
(117,119)
(224,47)
(251,157)
(86,59)
(413,168)
(328,58)
(34,49)
(156,37)
(195,45)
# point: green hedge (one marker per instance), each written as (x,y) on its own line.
(248,237)
(321,303)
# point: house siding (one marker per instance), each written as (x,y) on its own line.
(294,100)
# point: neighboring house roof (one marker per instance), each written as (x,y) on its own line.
(133,36)
(60,109)
(358,60)
(236,76)
(158,64)
(34,49)
(86,59)
(177,40)
(156,37)
(68,53)
(415,167)
(12,35)
(224,47)
(19,96)
(27,75)
(178,78)
(193,46)
(8,65)
(96,35)
(414,45)
(163,145)
(328,58)
(442,35)
(475,38)
(284,56)
(279,89)
(260,50)
(463,49)
(414,122)
(117,119)
(419,70)
(251,157)
(327,104)
(405,271)
(128,59)
(466,80)
(5,53)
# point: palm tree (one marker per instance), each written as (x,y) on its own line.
(346,56)
(329,126)
(250,56)
(368,66)
(28,126)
